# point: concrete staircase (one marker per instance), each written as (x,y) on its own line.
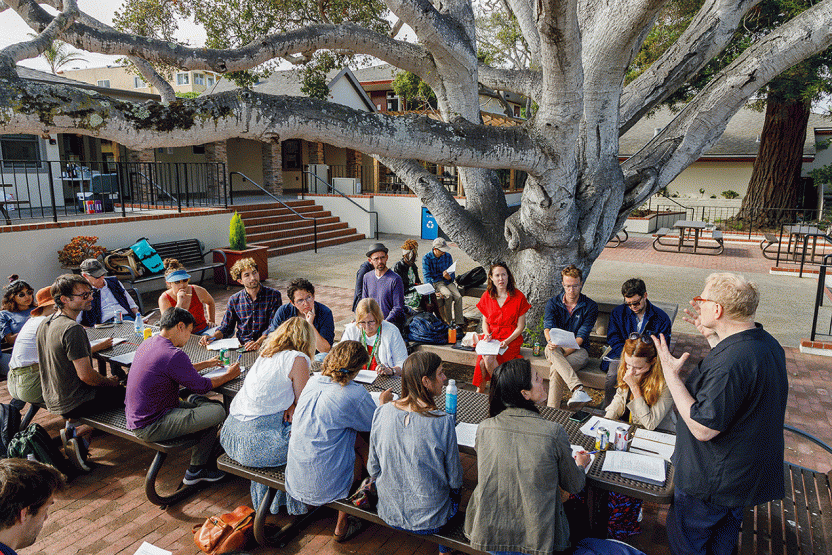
(283,232)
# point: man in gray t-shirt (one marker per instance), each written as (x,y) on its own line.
(71,386)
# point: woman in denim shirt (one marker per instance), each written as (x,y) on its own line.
(521,461)
(414,455)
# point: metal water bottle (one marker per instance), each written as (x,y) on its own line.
(450,397)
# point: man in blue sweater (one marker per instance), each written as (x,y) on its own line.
(636,315)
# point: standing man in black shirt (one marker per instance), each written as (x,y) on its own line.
(729,444)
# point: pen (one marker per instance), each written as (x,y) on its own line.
(643,450)
(594,425)
(239,357)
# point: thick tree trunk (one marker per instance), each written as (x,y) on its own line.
(775,181)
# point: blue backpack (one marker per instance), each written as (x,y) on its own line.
(148,256)
(424,327)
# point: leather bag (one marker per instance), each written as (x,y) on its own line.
(225,533)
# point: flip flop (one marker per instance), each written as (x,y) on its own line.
(354,527)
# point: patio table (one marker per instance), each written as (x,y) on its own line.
(684,225)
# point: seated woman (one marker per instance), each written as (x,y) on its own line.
(381,339)
(256,432)
(409,272)
(503,308)
(414,456)
(326,453)
(643,392)
(181,293)
(521,460)
(18,302)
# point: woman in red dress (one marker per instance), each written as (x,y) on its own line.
(504,310)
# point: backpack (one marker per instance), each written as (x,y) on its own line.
(120,262)
(472,278)
(35,441)
(9,426)
(148,256)
(424,327)
(224,533)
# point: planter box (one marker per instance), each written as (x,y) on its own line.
(653,221)
(260,254)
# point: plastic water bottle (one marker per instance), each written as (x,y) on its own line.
(139,323)
(450,397)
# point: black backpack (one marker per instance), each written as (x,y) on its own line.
(35,441)
(424,327)
(472,278)
(9,426)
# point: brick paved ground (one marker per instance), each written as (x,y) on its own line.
(106,511)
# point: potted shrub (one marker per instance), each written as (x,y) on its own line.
(79,249)
(238,249)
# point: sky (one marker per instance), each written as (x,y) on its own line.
(14,30)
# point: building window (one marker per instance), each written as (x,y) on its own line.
(209,81)
(20,151)
(182,79)
(199,79)
(104,83)
(392,102)
(138,83)
(199,149)
(291,154)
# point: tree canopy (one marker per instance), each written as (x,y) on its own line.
(577,193)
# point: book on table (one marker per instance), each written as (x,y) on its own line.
(634,466)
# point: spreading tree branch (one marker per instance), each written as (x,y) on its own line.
(12,54)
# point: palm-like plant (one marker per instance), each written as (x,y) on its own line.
(58,55)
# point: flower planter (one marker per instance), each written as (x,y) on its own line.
(653,221)
(259,253)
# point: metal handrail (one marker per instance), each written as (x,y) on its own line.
(827,263)
(155,185)
(295,212)
(334,190)
(806,238)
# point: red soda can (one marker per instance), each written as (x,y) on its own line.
(621,438)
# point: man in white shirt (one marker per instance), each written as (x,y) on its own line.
(109,296)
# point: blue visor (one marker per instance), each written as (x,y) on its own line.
(178,275)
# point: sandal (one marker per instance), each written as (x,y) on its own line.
(354,527)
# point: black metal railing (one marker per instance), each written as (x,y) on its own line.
(824,288)
(49,189)
(295,212)
(333,190)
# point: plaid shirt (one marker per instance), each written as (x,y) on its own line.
(251,318)
(433,267)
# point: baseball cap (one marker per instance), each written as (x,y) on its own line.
(92,267)
(439,243)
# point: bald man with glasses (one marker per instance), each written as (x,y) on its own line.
(636,315)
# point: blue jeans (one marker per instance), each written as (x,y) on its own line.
(697,527)
(442,548)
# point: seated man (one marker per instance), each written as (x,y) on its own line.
(435,265)
(109,296)
(27,490)
(385,286)
(154,411)
(71,387)
(302,303)
(636,315)
(574,312)
(249,310)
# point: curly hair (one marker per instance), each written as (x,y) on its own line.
(652,383)
(241,266)
(410,245)
(344,361)
(295,334)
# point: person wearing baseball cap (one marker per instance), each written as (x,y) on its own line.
(108,296)
(435,265)
(385,286)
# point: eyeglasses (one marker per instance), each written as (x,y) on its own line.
(367,323)
(701,300)
(304,300)
(573,286)
(84,296)
(645,337)
(634,303)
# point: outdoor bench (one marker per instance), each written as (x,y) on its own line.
(114,423)
(4,203)
(770,241)
(189,253)
(274,478)
(799,524)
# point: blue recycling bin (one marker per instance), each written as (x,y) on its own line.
(430,229)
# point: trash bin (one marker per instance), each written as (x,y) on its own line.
(430,229)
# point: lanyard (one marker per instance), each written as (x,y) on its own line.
(374,356)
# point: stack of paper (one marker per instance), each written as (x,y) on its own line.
(654,444)
(376,395)
(635,467)
(219,344)
(577,449)
(365,376)
(492,347)
(125,359)
(591,426)
(425,289)
(563,338)
(116,341)
(466,434)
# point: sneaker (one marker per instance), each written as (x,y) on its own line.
(66,435)
(192,398)
(76,452)
(202,475)
(579,399)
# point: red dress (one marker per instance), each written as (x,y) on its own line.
(502,321)
(196,308)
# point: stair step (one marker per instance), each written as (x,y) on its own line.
(304,238)
(296,232)
(310,245)
(261,205)
(278,210)
(268,220)
(289,224)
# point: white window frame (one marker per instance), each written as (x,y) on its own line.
(183,79)
(139,83)
(104,83)
(199,79)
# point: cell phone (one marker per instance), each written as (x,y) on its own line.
(580,417)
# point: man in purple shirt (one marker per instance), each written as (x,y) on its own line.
(153,409)
(385,286)
(249,310)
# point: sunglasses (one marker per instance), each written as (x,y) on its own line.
(634,303)
(84,296)
(644,337)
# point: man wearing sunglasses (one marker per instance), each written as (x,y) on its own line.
(636,315)
(71,386)
(729,437)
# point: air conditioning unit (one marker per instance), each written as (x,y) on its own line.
(347,185)
(319,185)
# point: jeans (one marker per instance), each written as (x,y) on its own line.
(697,527)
